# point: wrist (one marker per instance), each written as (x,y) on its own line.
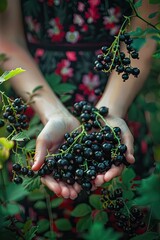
(114,109)
(48,107)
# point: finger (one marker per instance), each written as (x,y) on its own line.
(73,193)
(77,187)
(65,192)
(128,140)
(99,180)
(44,143)
(113,172)
(51,184)
(68,191)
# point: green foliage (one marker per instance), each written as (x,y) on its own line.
(95,201)
(84,223)
(31,184)
(97,231)
(56,202)
(64,90)
(101,217)
(43,225)
(3,5)
(91,218)
(10,74)
(21,136)
(63,224)
(81,210)
(154,2)
(29,230)
(138,4)
(149,193)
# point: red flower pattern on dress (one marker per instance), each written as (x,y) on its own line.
(111,22)
(71,56)
(92,14)
(72,36)
(55,32)
(88,85)
(64,70)
(77,19)
(34,28)
(81,7)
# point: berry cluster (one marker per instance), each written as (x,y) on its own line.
(112,58)
(14,116)
(89,150)
(130,220)
(20,171)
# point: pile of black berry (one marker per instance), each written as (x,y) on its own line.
(14,116)
(112,58)
(89,150)
(130,221)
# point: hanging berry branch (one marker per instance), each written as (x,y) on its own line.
(113,58)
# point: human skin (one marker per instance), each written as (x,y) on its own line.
(56,118)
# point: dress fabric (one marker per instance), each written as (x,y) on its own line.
(65,36)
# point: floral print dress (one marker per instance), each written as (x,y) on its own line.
(65,36)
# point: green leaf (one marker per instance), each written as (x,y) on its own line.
(147,236)
(64,88)
(138,4)
(15,192)
(152,15)
(36,195)
(31,184)
(102,217)
(43,225)
(27,225)
(63,224)
(3,5)
(37,88)
(30,145)
(40,205)
(21,136)
(56,202)
(154,2)
(50,235)
(95,201)
(151,107)
(13,208)
(31,233)
(138,43)
(128,194)
(9,74)
(53,80)
(97,231)
(84,223)
(35,120)
(81,210)
(156,54)
(65,98)
(128,175)
(138,32)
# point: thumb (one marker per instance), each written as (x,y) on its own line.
(40,153)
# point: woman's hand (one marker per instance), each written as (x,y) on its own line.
(48,141)
(127,139)
(52,136)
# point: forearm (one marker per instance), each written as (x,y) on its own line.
(119,95)
(45,102)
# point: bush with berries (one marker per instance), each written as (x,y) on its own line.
(124,208)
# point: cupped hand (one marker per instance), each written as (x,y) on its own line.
(128,140)
(48,141)
(52,136)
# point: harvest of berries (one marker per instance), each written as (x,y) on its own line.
(89,150)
